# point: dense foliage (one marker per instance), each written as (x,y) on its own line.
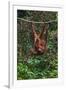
(37,66)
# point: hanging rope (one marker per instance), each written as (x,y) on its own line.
(36,21)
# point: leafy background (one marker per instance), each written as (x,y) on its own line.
(37,66)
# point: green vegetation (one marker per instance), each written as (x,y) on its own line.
(37,66)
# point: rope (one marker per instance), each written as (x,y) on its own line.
(36,21)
